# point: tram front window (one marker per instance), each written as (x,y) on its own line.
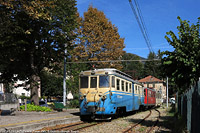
(93,82)
(104,81)
(84,82)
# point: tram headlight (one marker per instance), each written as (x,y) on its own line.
(82,97)
(103,97)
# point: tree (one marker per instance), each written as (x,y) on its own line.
(152,67)
(132,68)
(34,38)
(51,84)
(99,40)
(183,65)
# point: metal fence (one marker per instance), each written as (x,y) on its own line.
(8,98)
(189,108)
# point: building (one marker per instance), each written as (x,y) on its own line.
(157,84)
(1,88)
(22,89)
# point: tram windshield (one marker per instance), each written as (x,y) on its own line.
(84,82)
(104,81)
(93,82)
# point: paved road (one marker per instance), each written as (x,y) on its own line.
(28,121)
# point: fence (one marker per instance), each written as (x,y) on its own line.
(8,98)
(189,108)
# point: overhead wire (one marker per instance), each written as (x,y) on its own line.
(143,24)
(139,18)
(78,62)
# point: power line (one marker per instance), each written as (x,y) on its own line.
(146,48)
(141,24)
(112,61)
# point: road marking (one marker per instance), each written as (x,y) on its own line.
(33,121)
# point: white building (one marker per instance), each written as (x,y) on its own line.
(1,88)
(21,89)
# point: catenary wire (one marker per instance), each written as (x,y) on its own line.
(141,25)
(78,62)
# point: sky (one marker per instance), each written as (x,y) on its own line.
(160,16)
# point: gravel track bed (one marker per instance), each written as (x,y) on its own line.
(120,124)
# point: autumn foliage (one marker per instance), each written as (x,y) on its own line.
(99,40)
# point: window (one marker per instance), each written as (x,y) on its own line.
(130,87)
(139,89)
(93,82)
(136,89)
(118,84)
(122,85)
(104,81)
(84,82)
(126,87)
(113,81)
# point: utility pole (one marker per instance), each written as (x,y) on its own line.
(64,77)
(167,92)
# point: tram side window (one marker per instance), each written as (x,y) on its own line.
(136,89)
(126,87)
(122,85)
(130,87)
(118,84)
(93,82)
(113,81)
(84,82)
(104,81)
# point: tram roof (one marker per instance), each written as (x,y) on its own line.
(111,70)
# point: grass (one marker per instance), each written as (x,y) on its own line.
(174,122)
(142,129)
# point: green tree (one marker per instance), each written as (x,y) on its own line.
(152,67)
(51,84)
(30,42)
(183,65)
(131,67)
(99,40)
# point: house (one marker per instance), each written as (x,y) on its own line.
(21,88)
(157,84)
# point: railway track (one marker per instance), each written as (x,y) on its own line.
(80,126)
(155,123)
(77,126)
(133,126)
(141,121)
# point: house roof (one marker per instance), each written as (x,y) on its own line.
(150,79)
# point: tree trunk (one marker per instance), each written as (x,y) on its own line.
(34,89)
(34,84)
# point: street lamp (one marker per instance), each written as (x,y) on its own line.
(64,77)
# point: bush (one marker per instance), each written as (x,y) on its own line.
(24,97)
(75,102)
(32,107)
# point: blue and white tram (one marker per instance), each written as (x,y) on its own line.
(105,93)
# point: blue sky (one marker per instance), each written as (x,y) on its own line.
(160,16)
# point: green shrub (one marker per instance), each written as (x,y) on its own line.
(24,97)
(32,107)
(74,103)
